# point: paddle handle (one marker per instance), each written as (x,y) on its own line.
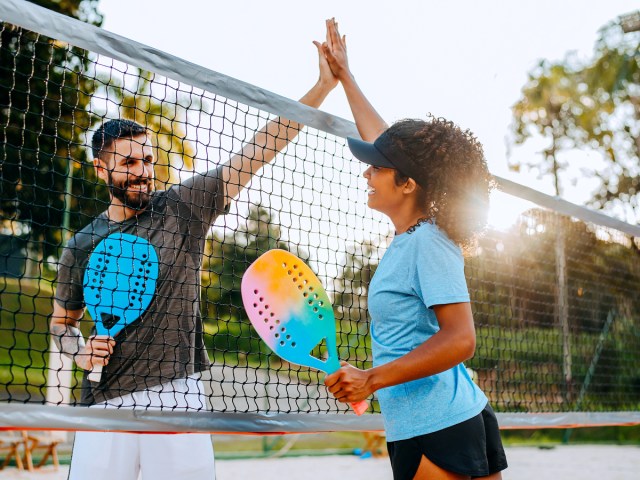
(360,407)
(96,373)
(333,365)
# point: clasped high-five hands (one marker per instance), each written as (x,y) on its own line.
(334,51)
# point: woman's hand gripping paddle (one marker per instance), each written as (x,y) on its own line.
(119,284)
(291,311)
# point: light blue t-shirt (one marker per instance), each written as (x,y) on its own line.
(419,270)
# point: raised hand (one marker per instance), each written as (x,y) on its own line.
(327,78)
(335,50)
(370,124)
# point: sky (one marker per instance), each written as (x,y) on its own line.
(465,60)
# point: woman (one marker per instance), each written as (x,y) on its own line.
(431,179)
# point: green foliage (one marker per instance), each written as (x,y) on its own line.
(513,282)
(352,285)
(42,83)
(350,302)
(619,435)
(513,285)
(25,308)
(547,108)
(166,119)
(45,166)
(85,10)
(229,334)
(24,329)
(593,104)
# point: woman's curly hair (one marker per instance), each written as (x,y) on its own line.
(455,179)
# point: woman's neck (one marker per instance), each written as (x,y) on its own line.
(402,223)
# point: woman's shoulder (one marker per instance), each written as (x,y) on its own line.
(429,236)
(428,229)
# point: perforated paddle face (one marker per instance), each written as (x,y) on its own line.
(290,309)
(120,281)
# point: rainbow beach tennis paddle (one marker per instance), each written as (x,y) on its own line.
(291,311)
(119,284)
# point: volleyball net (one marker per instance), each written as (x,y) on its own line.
(554,292)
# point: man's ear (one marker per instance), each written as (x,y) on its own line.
(100,167)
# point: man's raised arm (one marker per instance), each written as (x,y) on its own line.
(273,137)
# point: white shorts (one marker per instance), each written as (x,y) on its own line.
(130,456)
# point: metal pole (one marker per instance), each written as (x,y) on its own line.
(60,367)
(563,312)
(592,368)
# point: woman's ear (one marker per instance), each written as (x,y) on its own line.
(410,186)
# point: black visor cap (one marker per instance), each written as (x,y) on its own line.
(368,153)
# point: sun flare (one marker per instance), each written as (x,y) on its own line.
(505,209)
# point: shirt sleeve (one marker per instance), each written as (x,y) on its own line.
(204,195)
(439,273)
(69,292)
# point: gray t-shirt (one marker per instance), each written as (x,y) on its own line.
(166,342)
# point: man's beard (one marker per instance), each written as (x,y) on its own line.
(131,198)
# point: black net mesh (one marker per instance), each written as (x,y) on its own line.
(555,300)
(555,305)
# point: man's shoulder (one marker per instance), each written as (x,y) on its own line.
(87,237)
(199,182)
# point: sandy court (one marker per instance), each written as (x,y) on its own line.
(589,462)
(584,462)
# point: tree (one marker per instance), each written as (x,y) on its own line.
(614,85)
(525,355)
(547,109)
(592,104)
(226,259)
(164,116)
(45,166)
(350,301)
(46,94)
(352,285)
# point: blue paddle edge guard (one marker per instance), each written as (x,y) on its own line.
(119,282)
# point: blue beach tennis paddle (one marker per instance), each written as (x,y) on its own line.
(119,284)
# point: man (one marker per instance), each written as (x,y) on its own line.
(155,361)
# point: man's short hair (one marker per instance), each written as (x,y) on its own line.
(112,130)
